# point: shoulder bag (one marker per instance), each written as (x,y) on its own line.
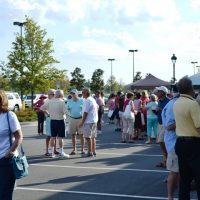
(128,114)
(20,163)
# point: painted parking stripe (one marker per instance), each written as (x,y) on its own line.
(101,168)
(90,193)
(134,154)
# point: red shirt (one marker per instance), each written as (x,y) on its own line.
(38,104)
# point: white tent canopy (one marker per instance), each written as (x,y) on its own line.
(195,79)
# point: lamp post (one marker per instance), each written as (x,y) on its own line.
(20,24)
(173,59)
(57,85)
(194,65)
(133,51)
(111,79)
(198,67)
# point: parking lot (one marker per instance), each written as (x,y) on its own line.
(119,171)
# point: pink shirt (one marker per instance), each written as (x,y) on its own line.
(111,104)
(100,101)
(126,102)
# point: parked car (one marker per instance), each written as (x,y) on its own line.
(28,98)
(14,101)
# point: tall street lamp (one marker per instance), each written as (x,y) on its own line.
(133,51)
(173,59)
(111,79)
(194,65)
(198,69)
(20,24)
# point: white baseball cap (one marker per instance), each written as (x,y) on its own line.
(162,88)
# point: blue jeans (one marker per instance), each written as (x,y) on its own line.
(7,180)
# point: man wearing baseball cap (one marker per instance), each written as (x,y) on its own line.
(74,109)
(161,93)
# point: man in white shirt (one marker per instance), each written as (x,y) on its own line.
(89,121)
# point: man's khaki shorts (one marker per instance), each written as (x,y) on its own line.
(90,130)
(172,162)
(74,126)
(160,133)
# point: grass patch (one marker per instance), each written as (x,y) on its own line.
(26,115)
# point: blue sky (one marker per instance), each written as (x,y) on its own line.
(88,32)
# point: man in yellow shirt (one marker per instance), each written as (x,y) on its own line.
(187,117)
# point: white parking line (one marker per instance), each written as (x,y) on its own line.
(135,154)
(90,193)
(101,168)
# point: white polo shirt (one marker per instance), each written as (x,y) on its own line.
(4,131)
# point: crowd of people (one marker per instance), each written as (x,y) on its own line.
(172,118)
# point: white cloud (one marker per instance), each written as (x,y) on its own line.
(98,29)
(94,32)
(24,5)
(195,5)
(91,47)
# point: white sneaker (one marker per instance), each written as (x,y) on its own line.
(63,155)
(99,132)
(52,155)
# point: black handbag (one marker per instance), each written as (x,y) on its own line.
(20,163)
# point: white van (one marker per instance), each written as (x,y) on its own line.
(27,99)
(14,101)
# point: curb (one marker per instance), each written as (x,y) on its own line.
(28,123)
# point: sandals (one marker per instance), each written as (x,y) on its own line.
(73,153)
(161,165)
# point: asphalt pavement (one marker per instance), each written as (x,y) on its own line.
(120,171)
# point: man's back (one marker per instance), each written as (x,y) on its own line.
(187,116)
(55,107)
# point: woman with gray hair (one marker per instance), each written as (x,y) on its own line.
(152,119)
(57,109)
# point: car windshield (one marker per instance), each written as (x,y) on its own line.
(29,97)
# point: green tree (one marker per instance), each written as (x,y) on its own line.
(50,76)
(30,56)
(97,82)
(115,85)
(4,82)
(87,83)
(147,74)
(78,81)
(137,76)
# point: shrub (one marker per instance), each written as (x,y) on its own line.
(26,115)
